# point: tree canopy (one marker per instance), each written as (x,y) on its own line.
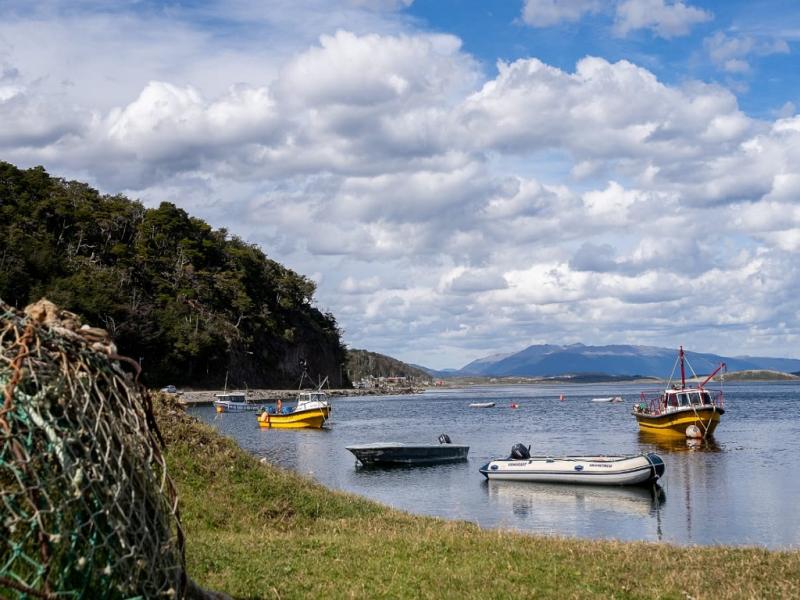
(192,303)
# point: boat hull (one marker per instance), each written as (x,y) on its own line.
(408,454)
(303,419)
(674,424)
(592,470)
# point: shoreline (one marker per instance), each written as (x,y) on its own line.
(192,397)
(234,506)
(266,396)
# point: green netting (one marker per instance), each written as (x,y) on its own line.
(86,506)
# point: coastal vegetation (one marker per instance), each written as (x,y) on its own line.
(760,375)
(255,531)
(193,304)
(363,364)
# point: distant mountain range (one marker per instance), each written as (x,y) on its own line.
(548,360)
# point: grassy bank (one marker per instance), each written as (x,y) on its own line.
(255,531)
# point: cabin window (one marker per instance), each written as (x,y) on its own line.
(672,400)
(684,399)
(706,397)
(695,397)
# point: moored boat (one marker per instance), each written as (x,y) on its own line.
(234,402)
(608,399)
(401,454)
(678,408)
(594,470)
(482,405)
(312,410)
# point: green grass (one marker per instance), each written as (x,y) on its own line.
(255,531)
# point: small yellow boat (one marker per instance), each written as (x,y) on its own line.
(680,410)
(312,412)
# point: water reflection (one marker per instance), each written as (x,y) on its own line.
(678,444)
(524,498)
(739,488)
(631,512)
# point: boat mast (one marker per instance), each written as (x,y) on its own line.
(683,371)
(710,377)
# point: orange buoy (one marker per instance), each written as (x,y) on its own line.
(514,405)
(561,397)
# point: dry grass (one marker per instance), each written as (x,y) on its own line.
(255,531)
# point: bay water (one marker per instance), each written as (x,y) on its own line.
(740,488)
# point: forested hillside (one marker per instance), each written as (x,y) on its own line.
(189,301)
(361,364)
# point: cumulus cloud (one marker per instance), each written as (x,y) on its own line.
(603,110)
(664,18)
(545,13)
(424,189)
(31,119)
(594,257)
(467,281)
(730,52)
(167,122)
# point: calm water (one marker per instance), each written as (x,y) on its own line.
(743,488)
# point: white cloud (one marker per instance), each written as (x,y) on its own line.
(545,13)
(730,52)
(601,111)
(422,189)
(368,285)
(665,18)
(167,122)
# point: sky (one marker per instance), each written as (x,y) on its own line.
(459,177)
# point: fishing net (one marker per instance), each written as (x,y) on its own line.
(86,506)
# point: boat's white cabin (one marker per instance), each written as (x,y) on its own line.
(316,398)
(686,398)
(230,397)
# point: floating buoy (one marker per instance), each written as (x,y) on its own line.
(693,431)
(561,397)
(514,405)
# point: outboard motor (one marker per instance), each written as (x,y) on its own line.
(520,451)
(444,439)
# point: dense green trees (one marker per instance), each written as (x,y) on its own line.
(191,302)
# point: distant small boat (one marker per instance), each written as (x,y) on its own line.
(398,454)
(482,405)
(609,399)
(234,402)
(594,470)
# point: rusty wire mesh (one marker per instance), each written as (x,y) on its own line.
(86,506)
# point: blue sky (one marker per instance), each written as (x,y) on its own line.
(495,31)
(458,178)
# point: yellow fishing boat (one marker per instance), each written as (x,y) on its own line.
(299,419)
(680,410)
(312,411)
